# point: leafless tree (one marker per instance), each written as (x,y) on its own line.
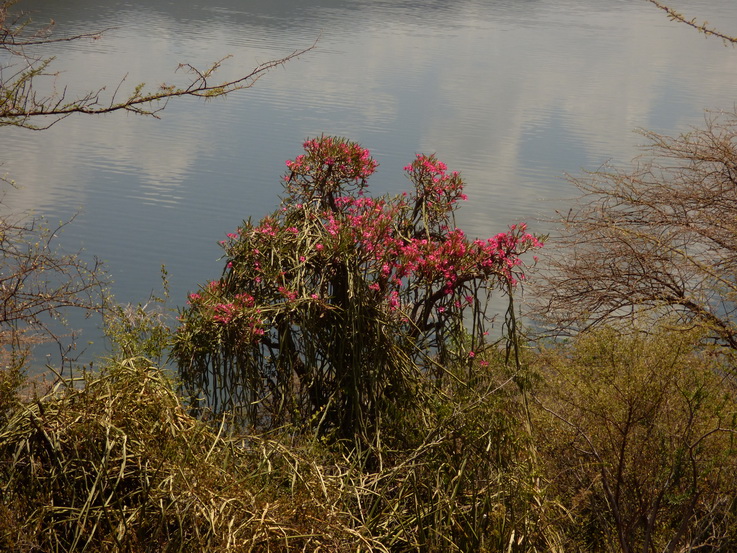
(659,238)
(38,283)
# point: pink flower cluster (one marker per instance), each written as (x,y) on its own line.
(209,304)
(435,188)
(406,248)
(328,164)
(448,260)
(225,312)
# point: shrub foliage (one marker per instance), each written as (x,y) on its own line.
(641,441)
(334,308)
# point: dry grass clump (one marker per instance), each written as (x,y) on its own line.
(119,465)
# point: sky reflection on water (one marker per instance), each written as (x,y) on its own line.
(513,94)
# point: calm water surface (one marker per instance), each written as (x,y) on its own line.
(513,93)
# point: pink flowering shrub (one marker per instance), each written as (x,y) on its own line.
(339,305)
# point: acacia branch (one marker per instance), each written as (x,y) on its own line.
(673,15)
(10,41)
(13,30)
(19,104)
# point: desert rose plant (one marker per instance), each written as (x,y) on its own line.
(338,309)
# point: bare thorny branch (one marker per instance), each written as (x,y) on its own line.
(703,27)
(38,283)
(21,106)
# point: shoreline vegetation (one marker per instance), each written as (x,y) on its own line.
(619,438)
(339,387)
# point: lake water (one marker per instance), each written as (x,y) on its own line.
(512,93)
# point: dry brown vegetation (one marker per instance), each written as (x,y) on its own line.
(629,445)
(659,238)
(119,465)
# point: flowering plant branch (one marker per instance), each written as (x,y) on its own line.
(335,303)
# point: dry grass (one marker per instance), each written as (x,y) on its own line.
(120,466)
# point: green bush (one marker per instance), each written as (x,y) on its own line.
(638,432)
